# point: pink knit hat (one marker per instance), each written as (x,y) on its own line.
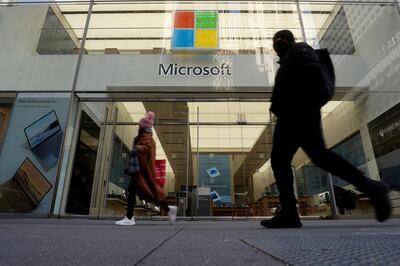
(147,121)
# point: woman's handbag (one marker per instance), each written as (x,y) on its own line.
(133,164)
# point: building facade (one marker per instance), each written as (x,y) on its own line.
(77,76)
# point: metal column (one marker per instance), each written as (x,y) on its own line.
(70,107)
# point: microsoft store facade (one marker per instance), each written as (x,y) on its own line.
(76,76)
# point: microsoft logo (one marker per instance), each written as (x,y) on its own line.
(195,30)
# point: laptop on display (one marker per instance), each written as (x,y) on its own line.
(25,190)
(32,182)
(215,196)
(44,138)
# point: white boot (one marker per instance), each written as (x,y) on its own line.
(172,213)
(126,221)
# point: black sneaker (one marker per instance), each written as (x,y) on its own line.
(378,194)
(283,220)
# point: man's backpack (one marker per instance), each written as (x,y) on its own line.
(328,76)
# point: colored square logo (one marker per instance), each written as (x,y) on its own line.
(195,30)
(206,20)
(184,20)
(183,38)
(206,39)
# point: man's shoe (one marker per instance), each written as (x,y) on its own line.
(172,210)
(126,221)
(378,194)
(283,220)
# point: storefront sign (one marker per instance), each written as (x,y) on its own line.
(177,70)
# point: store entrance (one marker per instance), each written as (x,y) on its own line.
(217,155)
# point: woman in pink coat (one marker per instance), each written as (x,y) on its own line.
(141,169)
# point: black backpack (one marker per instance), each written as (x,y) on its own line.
(328,76)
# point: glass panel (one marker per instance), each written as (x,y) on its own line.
(224,158)
(56,37)
(171,145)
(130,49)
(231,156)
(364,132)
(120,27)
(123,35)
(130,34)
(29,32)
(84,167)
(229,153)
(355,126)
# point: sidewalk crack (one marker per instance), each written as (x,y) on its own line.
(158,246)
(265,253)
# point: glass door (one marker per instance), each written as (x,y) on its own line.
(84,167)
(170,132)
(215,154)
(229,147)
(217,157)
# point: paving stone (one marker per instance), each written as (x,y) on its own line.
(340,250)
(100,242)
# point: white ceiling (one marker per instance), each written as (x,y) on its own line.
(222,137)
(123,21)
(219,138)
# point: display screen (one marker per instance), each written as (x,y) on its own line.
(42,129)
(214,196)
(32,182)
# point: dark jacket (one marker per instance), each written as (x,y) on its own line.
(296,83)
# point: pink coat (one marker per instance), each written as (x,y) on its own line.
(148,188)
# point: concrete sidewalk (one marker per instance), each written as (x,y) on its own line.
(100,242)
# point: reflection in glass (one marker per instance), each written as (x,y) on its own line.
(56,37)
(80,189)
(224,155)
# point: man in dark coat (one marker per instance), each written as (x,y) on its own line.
(296,106)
